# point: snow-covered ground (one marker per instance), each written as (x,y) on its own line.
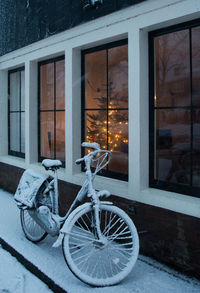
(14,278)
(148,276)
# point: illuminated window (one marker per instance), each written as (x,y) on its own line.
(105,103)
(175,109)
(16,113)
(52,109)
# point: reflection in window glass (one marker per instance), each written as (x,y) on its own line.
(172,69)
(176,118)
(118,71)
(16,113)
(23,132)
(14,132)
(173,145)
(60,135)
(52,109)
(106,104)
(14,91)
(60,85)
(47,86)
(47,134)
(196,66)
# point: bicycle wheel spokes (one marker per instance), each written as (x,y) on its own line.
(97,263)
(32,230)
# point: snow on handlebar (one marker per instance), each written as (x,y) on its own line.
(92,145)
(79,161)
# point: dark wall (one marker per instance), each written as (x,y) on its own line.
(23,22)
(170,237)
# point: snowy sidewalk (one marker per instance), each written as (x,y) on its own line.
(148,276)
(14,278)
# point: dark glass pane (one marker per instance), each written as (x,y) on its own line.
(173,145)
(15,132)
(60,135)
(47,86)
(196,66)
(95,80)
(47,134)
(196,148)
(15,91)
(60,85)
(118,140)
(22,90)
(172,69)
(118,77)
(22,132)
(96,127)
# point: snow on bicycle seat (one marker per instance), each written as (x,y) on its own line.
(51,164)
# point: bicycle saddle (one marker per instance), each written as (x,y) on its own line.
(51,164)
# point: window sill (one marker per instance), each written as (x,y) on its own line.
(176,202)
(11,160)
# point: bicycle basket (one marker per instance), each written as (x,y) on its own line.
(101,160)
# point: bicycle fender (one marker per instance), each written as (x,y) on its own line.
(64,229)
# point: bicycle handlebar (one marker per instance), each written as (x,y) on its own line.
(79,161)
(92,154)
(92,145)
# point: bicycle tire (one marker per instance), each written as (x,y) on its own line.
(95,264)
(31,229)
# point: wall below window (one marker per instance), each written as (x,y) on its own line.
(170,237)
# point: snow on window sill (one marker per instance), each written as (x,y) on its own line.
(11,160)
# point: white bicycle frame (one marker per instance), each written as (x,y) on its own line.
(86,190)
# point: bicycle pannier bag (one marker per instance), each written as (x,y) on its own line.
(28,187)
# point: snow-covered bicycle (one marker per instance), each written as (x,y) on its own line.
(99,240)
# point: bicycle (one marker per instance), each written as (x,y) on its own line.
(99,240)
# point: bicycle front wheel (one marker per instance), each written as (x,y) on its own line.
(93,262)
(32,230)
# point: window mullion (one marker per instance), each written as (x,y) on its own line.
(20,132)
(191,111)
(107,93)
(54,110)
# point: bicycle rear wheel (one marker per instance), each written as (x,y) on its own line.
(100,264)
(31,229)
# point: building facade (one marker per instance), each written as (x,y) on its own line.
(122,73)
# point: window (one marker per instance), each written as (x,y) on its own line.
(16,113)
(105,103)
(52,109)
(175,109)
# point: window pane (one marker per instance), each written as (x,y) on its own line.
(118,77)
(172,69)
(47,87)
(96,127)
(196,66)
(23,132)
(22,90)
(173,145)
(118,140)
(15,91)
(95,80)
(15,132)
(47,134)
(60,135)
(196,148)
(60,85)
